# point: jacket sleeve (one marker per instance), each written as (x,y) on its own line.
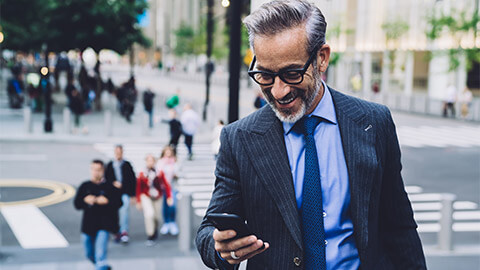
(109,174)
(139,187)
(131,180)
(79,196)
(226,198)
(164,183)
(397,225)
(114,197)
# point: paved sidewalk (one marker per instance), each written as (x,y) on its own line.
(164,255)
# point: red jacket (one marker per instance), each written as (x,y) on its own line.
(160,183)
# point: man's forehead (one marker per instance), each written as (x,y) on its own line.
(283,48)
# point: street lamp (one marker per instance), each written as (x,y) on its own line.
(225,3)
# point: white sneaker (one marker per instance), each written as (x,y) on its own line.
(164,229)
(173,228)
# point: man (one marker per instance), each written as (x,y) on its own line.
(175,128)
(120,173)
(190,122)
(99,201)
(316,174)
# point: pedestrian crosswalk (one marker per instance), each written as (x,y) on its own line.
(427,209)
(439,136)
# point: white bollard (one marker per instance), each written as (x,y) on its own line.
(185,218)
(108,122)
(145,125)
(446,221)
(27,119)
(66,120)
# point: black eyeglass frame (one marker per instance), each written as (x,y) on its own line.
(301,71)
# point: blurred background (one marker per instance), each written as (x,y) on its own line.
(78,77)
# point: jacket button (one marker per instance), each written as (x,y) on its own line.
(297,261)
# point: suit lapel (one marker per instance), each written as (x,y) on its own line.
(358,140)
(265,146)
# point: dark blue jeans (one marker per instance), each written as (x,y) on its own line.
(169,212)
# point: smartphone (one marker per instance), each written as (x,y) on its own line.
(225,221)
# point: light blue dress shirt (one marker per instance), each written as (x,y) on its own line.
(341,251)
(117,170)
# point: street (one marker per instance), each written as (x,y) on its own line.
(439,156)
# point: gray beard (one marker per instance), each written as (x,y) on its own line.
(287,115)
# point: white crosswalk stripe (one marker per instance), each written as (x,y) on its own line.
(439,136)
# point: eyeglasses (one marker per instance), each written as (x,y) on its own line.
(289,76)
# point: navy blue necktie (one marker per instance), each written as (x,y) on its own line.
(312,209)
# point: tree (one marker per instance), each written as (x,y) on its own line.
(184,40)
(63,25)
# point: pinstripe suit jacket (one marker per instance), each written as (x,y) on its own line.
(253,180)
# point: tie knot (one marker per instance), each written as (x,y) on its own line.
(307,125)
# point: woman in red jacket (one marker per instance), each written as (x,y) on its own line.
(151,185)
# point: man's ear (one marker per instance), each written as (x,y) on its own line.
(323,56)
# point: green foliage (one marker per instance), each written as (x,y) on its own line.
(190,42)
(395,29)
(72,24)
(184,40)
(334,58)
(457,24)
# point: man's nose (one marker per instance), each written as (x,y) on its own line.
(279,88)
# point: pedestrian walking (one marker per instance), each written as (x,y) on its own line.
(151,187)
(190,122)
(216,137)
(120,174)
(174,100)
(316,175)
(167,165)
(148,97)
(175,128)
(99,201)
(77,107)
(16,88)
(449,101)
(465,100)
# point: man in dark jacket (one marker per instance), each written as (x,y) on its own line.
(120,173)
(99,201)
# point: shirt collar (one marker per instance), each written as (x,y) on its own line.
(325,110)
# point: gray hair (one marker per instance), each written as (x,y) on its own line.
(279,15)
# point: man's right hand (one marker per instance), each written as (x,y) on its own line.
(244,248)
(89,199)
(117,184)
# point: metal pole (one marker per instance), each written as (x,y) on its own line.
(48,124)
(234,64)
(446,222)
(209,65)
(185,218)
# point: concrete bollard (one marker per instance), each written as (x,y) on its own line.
(446,221)
(107,116)
(185,219)
(27,119)
(145,125)
(66,120)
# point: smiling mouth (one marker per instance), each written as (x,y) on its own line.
(289,98)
